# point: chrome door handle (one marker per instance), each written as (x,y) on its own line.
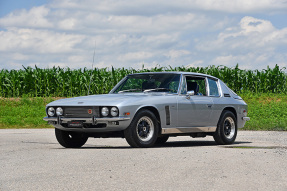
(209,106)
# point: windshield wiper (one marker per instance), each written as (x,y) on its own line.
(129,90)
(159,89)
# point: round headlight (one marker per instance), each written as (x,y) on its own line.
(51,111)
(105,111)
(59,111)
(114,111)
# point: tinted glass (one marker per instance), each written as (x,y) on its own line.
(196,84)
(150,83)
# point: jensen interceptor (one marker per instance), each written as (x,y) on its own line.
(147,108)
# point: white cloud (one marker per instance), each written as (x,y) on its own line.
(19,56)
(151,7)
(35,17)
(241,6)
(68,24)
(172,54)
(134,56)
(254,43)
(249,34)
(251,28)
(133,33)
(197,63)
(37,41)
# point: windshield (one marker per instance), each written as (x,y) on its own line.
(150,83)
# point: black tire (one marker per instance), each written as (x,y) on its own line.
(143,130)
(161,140)
(226,131)
(70,139)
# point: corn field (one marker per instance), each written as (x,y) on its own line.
(64,82)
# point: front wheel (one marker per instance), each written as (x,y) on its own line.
(226,131)
(70,139)
(143,130)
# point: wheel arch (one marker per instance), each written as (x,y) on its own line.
(231,109)
(154,110)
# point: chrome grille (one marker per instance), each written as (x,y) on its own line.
(81,111)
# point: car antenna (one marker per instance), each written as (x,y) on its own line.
(92,68)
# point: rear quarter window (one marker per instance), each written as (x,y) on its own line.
(213,88)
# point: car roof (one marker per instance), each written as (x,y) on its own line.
(183,73)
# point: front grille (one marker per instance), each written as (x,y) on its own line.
(72,112)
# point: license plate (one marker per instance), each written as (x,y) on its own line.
(75,124)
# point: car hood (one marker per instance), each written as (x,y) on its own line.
(105,99)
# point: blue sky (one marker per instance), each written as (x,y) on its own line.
(130,33)
(8,6)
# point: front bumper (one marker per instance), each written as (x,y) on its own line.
(92,120)
(94,124)
(246,118)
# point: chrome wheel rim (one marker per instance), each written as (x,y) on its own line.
(229,128)
(145,129)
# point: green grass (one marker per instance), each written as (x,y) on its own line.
(267,112)
(23,112)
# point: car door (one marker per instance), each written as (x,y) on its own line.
(215,93)
(195,110)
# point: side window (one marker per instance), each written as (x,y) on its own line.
(213,88)
(197,84)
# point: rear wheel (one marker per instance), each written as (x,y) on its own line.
(70,139)
(226,131)
(143,130)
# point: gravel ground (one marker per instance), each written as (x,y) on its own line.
(31,159)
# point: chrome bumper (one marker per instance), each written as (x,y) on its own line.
(92,120)
(246,118)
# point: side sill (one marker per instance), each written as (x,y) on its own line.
(188,130)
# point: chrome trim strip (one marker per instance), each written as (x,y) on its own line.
(246,118)
(188,130)
(64,119)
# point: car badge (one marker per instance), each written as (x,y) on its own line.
(90,111)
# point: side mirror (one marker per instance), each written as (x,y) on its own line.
(189,93)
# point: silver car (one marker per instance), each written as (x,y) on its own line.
(147,108)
